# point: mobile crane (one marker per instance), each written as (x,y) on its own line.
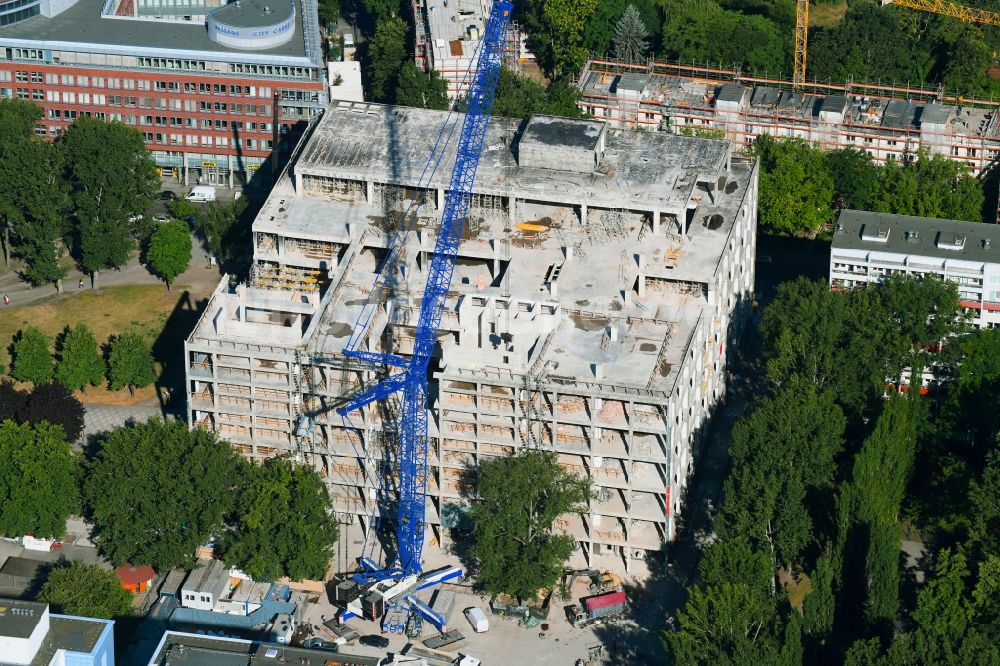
(394,583)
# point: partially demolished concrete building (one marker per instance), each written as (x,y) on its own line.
(602,283)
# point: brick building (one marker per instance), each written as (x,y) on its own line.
(201,92)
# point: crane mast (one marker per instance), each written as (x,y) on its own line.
(411,379)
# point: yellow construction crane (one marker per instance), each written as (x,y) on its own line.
(955,10)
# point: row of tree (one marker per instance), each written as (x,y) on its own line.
(802,187)
(156,491)
(826,475)
(79,363)
(85,192)
(870,42)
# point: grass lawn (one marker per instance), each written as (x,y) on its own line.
(827,14)
(112,310)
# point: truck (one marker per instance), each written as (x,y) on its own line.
(201,193)
(598,608)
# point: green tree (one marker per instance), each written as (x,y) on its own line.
(284,526)
(31,170)
(32,359)
(386,55)
(819,605)
(984,500)
(930,186)
(156,491)
(599,31)
(420,89)
(114,179)
(986,596)
(630,37)
(17,122)
(520,498)
(37,480)
(796,188)
(86,590)
(130,362)
(787,445)
(53,403)
(80,362)
(169,252)
(944,634)
(226,228)
(329,12)
(855,177)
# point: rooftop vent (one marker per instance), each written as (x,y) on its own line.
(986,243)
(950,241)
(913,236)
(875,233)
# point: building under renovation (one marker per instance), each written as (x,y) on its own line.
(603,280)
(887,122)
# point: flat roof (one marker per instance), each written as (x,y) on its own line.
(19,618)
(185,649)
(854,229)
(83,27)
(641,171)
(212,577)
(23,567)
(73,634)
(563,132)
(254,13)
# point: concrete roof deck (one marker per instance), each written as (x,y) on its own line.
(19,618)
(639,170)
(254,13)
(82,26)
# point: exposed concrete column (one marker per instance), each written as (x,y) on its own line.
(583,215)
(642,285)
(185,170)
(656,223)
(369,191)
(439,198)
(281,247)
(230,174)
(511,205)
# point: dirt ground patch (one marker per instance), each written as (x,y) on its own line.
(164,318)
(827,14)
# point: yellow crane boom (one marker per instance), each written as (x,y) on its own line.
(967,14)
(943,7)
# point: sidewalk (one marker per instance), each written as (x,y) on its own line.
(21,293)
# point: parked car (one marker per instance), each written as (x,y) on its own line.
(375,641)
(167,195)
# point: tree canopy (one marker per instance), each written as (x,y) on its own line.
(169,252)
(86,590)
(113,179)
(796,190)
(130,362)
(37,479)
(32,359)
(156,491)
(283,526)
(80,362)
(514,541)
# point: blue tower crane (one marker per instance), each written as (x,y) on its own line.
(411,376)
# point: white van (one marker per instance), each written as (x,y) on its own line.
(201,193)
(477,618)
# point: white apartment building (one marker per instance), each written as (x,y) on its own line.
(867,247)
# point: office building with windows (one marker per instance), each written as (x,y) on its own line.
(204,93)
